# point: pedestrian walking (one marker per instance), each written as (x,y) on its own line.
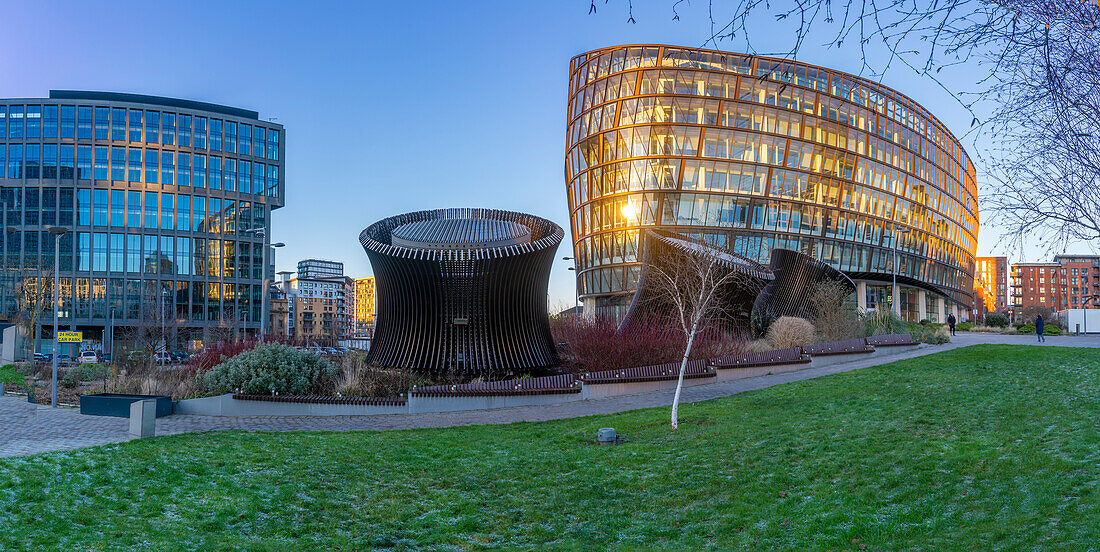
(1039,328)
(951,322)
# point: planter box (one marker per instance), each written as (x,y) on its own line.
(118,404)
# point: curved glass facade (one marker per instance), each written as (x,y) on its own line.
(752,152)
(157,194)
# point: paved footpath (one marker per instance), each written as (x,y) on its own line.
(29,429)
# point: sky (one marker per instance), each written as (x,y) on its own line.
(389,107)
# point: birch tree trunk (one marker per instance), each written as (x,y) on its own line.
(680,381)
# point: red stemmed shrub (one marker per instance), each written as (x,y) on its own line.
(213,355)
(594,345)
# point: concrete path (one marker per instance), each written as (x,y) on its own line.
(30,429)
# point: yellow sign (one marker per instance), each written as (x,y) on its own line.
(70,337)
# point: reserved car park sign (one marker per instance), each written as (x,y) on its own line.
(70,337)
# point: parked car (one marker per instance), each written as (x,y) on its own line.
(64,360)
(162,357)
(39,357)
(105,357)
(89,357)
(178,356)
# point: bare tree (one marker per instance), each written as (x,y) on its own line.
(691,286)
(1035,100)
(33,293)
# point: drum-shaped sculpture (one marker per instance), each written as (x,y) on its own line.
(666,253)
(796,275)
(462,292)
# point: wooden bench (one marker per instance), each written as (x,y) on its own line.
(842,347)
(790,355)
(658,372)
(891,340)
(322,399)
(547,385)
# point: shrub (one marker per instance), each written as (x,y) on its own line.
(271,368)
(790,331)
(358,379)
(832,314)
(9,375)
(1051,330)
(88,372)
(930,334)
(1027,329)
(219,352)
(591,345)
(924,322)
(964,327)
(883,322)
(759,346)
(996,319)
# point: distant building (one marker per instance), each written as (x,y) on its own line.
(991,290)
(364,306)
(320,301)
(315,269)
(1070,282)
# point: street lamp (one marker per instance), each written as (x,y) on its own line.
(262,232)
(576,286)
(57,232)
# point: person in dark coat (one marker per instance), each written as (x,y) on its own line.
(1039,328)
(951,322)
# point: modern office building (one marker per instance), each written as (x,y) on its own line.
(991,289)
(161,198)
(364,306)
(462,292)
(753,153)
(1069,282)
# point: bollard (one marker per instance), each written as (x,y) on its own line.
(143,418)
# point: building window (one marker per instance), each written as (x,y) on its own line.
(133,218)
(150,209)
(99,207)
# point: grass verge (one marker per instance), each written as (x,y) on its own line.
(990,447)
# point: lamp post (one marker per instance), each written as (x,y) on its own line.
(576,287)
(262,232)
(57,232)
(110,348)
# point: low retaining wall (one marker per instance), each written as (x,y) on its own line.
(418,404)
(227,405)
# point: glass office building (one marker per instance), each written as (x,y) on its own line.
(157,195)
(754,153)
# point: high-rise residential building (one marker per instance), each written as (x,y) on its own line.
(321,301)
(1070,282)
(316,269)
(991,289)
(364,306)
(752,153)
(163,200)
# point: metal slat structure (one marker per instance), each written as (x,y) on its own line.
(462,292)
(663,247)
(795,277)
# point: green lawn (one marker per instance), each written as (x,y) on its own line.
(982,448)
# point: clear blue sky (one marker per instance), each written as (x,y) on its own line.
(388,106)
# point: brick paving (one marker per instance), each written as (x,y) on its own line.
(31,429)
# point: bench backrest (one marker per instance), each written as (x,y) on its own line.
(564,383)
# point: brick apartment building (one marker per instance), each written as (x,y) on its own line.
(1069,282)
